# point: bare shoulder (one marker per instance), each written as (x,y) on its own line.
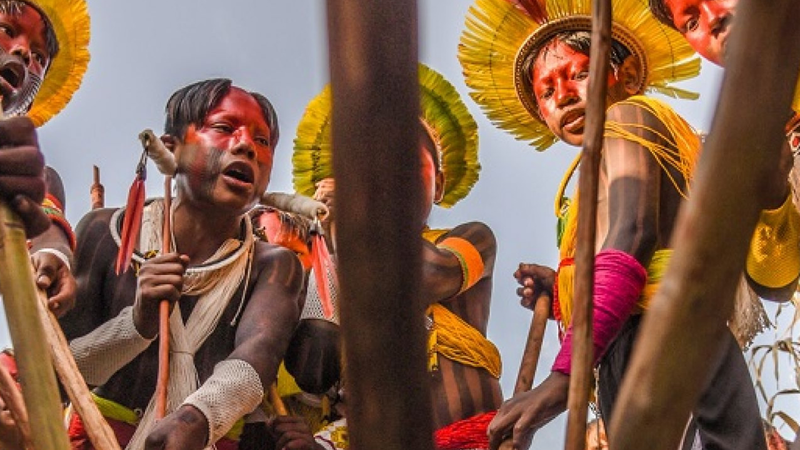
(276,264)
(474,232)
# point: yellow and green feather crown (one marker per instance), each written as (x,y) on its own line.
(442,111)
(499,35)
(70,21)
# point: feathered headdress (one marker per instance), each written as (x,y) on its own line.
(70,22)
(500,34)
(443,113)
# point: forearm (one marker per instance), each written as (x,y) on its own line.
(619,280)
(232,391)
(108,348)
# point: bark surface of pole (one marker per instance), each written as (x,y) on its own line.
(19,298)
(581,377)
(533,346)
(681,333)
(163,310)
(97,428)
(373,60)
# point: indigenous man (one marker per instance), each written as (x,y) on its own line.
(706,25)
(234,300)
(457,263)
(648,156)
(43,56)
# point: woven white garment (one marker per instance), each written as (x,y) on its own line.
(215,281)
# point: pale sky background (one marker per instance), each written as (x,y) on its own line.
(143,51)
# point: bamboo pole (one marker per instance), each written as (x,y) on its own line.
(276,401)
(373,60)
(580,381)
(681,333)
(163,310)
(97,428)
(11,395)
(19,299)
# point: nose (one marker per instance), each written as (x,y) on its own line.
(22,50)
(565,93)
(717,16)
(244,144)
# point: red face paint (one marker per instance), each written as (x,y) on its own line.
(706,25)
(24,58)
(229,157)
(560,84)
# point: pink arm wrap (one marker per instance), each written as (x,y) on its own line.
(618,281)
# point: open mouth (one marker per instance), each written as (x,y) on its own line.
(573,120)
(240,172)
(12,72)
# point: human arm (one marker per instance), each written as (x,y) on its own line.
(238,383)
(22,182)
(51,251)
(459,260)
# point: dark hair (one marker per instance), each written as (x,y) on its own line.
(15,8)
(190,106)
(662,12)
(578,40)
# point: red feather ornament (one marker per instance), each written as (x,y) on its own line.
(324,270)
(132,221)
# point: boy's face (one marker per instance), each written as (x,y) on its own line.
(24,58)
(432,182)
(706,25)
(228,160)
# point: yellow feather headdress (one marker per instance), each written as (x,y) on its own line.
(444,115)
(70,21)
(500,34)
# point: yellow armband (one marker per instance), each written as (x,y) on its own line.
(469,258)
(774,257)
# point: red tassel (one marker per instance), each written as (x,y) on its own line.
(322,264)
(132,222)
(280,232)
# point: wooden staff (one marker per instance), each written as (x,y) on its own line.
(580,381)
(19,299)
(12,397)
(97,428)
(530,356)
(97,190)
(163,312)
(375,85)
(276,401)
(680,337)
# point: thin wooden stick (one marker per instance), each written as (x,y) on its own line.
(19,299)
(163,313)
(12,397)
(276,401)
(97,191)
(680,337)
(533,349)
(580,381)
(97,428)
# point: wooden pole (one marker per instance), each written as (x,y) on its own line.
(97,428)
(163,312)
(581,377)
(681,332)
(19,299)
(276,401)
(97,191)
(373,60)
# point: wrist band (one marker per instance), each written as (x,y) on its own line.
(58,254)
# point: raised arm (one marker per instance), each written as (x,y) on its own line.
(459,260)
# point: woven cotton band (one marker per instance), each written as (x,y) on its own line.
(233,390)
(58,254)
(469,258)
(618,281)
(108,348)
(774,257)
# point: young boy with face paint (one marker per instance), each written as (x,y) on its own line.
(647,160)
(706,26)
(234,300)
(457,264)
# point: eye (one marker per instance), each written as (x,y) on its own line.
(582,75)
(40,59)
(222,127)
(546,94)
(691,25)
(262,141)
(7,30)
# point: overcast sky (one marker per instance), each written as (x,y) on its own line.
(143,51)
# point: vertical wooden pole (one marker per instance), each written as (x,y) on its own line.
(19,299)
(97,191)
(681,333)
(373,60)
(582,343)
